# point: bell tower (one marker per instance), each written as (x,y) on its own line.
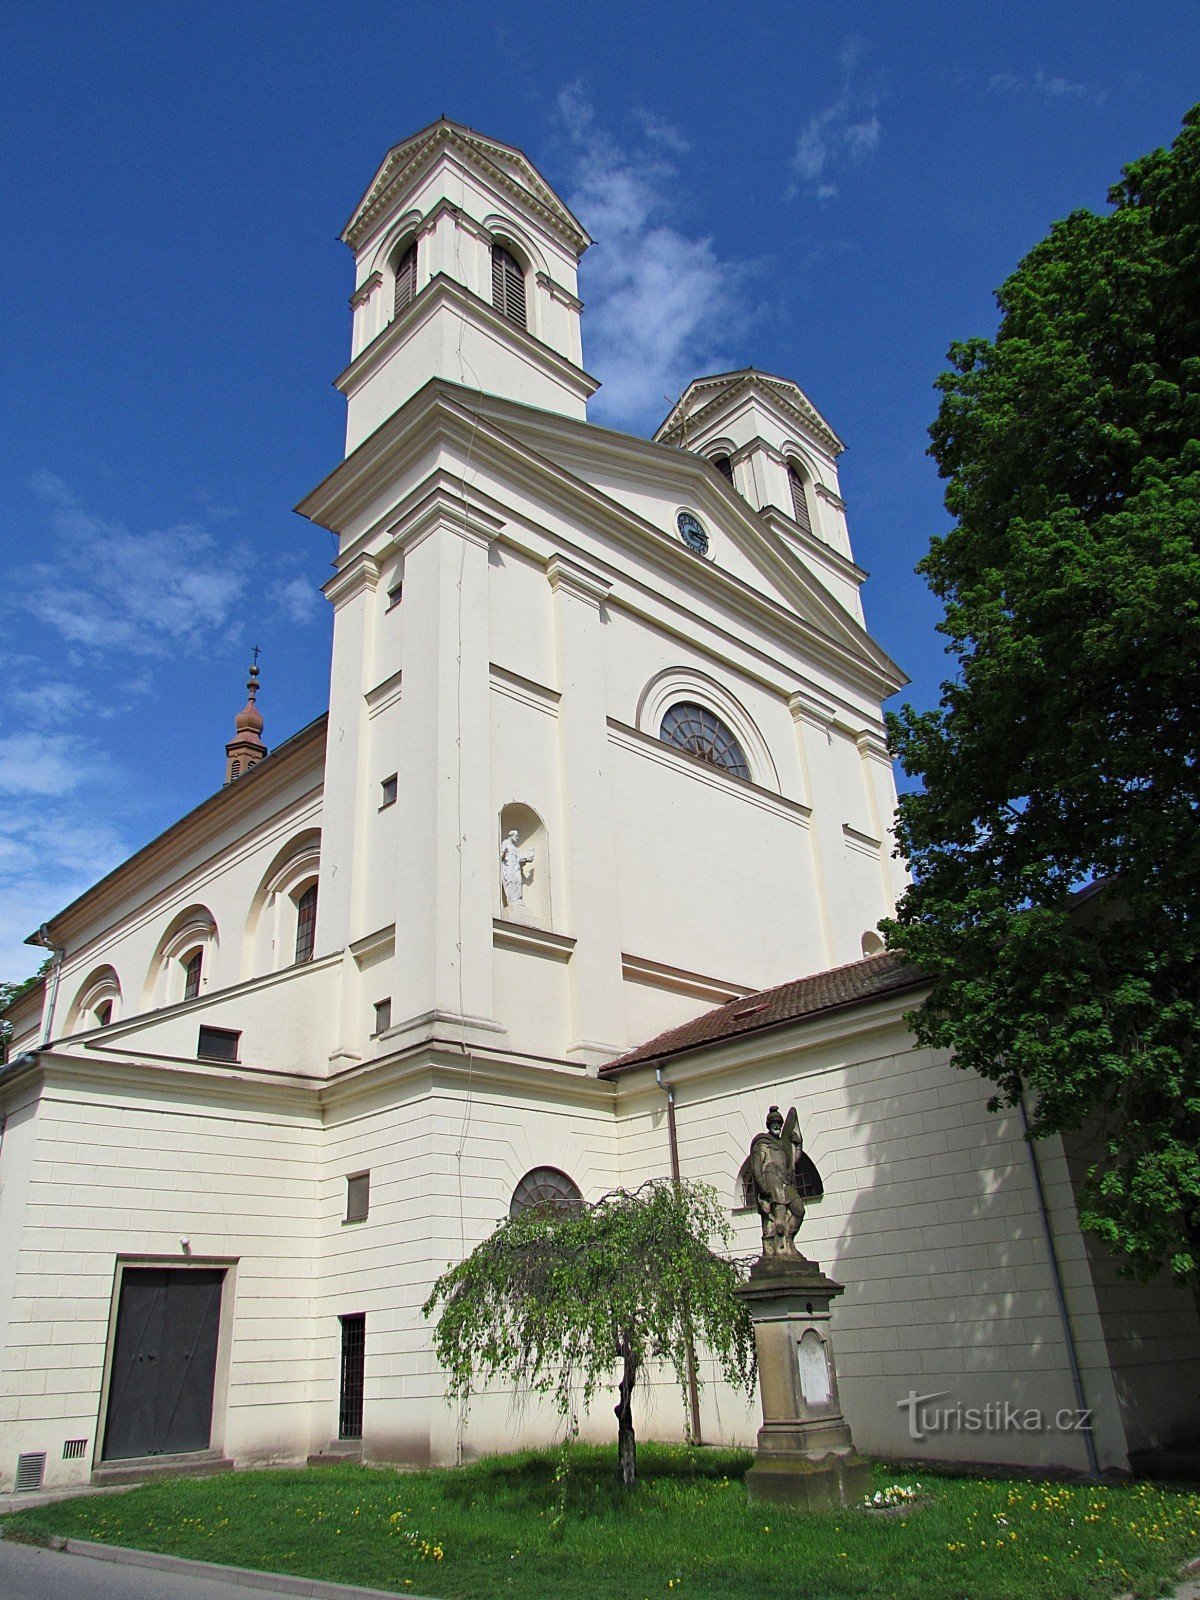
(466,269)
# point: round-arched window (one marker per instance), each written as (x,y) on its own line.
(545,1189)
(701,732)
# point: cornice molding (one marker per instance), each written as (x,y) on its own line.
(824,554)
(524,690)
(780,392)
(360,575)
(526,936)
(572,578)
(678,980)
(365,290)
(645,744)
(384,694)
(444,290)
(558,292)
(823,492)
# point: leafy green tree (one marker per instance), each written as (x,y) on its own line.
(1064,751)
(9,992)
(558,1298)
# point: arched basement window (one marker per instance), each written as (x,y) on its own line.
(406,280)
(192,969)
(799,498)
(724,466)
(808,1182)
(701,733)
(306,923)
(508,286)
(545,1189)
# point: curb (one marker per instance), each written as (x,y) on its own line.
(248,1577)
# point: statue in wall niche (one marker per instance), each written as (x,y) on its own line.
(773,1157)
(513,862)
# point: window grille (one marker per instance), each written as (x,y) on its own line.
(724,466)
(354,1363)
(74,1449)
(508,286)
(700,732)
(406,280)
(192,968)
(218,1044)
(545,1189)
(383,1015)
(358,1197)
(799,499)
(306,923)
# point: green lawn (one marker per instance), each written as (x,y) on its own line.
(526,1526)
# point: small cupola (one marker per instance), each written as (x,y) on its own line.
(466,268)
(246,749)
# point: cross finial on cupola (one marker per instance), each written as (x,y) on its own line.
(246,749)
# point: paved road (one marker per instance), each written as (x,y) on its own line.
(30,1573)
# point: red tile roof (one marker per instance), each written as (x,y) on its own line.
(789,1002)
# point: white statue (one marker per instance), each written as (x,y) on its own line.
(513,861)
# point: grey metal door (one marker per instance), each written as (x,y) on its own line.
(164,1363)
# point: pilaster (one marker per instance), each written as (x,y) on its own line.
(814,723)
(597,1001)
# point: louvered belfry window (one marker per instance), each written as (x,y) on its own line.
(724,466)
(406,280)
(799,499)
(508,286)
(306,923)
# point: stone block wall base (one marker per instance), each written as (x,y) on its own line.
(825,1484)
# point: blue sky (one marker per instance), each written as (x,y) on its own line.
(830,192)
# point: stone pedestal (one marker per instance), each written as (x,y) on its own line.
(806,1455)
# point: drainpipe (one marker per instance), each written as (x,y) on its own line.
(43,939)
(1064,1315)
(693,1389)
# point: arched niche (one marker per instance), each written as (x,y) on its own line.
(273,921)
(533,903)
(98,1001)
(175,974)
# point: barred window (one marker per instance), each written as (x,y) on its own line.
(508,286)
(700,732)
(545,1189)
(406,280)
(306,923)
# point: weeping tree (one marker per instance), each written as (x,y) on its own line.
(561,1299)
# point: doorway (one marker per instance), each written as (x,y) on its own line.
(160,1396)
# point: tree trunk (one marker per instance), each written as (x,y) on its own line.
(626,1444)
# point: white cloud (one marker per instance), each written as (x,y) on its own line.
(661,304)
(150,594)
(47,857)
(46,763)
(1048,85)
(298,600)
(843,133)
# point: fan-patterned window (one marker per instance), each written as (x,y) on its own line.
(799,499)
(406,280)
(508,286)
(545,1189)
(306,923)
(701,733)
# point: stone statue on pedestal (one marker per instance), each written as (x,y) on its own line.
(773,1157)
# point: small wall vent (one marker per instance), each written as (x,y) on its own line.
(73,1449)
(31,1469)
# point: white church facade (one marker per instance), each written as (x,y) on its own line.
(603,764)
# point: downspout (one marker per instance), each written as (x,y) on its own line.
(1064,1314)
(693,1390)
(42,938)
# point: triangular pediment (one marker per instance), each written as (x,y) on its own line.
(705,396)
(506,165)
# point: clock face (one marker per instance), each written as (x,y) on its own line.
(691,531)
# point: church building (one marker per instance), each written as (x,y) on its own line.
(579,874)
